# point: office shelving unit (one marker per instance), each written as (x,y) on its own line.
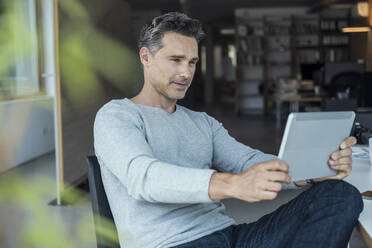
(319,39)
(334,44)
(306,37)
(251,65)
(274,47)
(278,54)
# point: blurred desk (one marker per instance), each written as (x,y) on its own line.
(294,105)
(361,178)
(364,224)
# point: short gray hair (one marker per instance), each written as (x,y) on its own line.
(152,33)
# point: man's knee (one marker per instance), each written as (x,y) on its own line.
(351,199)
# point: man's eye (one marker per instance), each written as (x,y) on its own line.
(176,60)
(193,63)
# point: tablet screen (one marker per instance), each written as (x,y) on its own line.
(310,138)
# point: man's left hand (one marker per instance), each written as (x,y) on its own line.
(339,161)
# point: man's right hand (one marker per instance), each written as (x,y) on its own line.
(262,181)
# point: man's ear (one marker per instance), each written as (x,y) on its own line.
(145,56)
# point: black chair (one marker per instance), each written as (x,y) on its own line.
(100,205)
(351,81)
(339,104)
(366,90)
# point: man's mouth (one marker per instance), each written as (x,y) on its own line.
(181,85)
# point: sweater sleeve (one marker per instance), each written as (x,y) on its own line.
(229,155)
(121,146)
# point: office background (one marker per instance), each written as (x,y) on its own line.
(260,60)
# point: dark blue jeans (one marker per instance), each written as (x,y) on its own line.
(322,216)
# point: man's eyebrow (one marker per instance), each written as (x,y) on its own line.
(182,57)
(177,56)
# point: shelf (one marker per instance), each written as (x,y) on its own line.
(307,47)
(276,35)
(336,46)
(250,19)
(278,21)
(250,95)
(251,66)
(309,62)
(334,19)
(279,51)
(279,64)
(250,81)
(333,33)
(254,51)
(253,36)
(309,34)
(315,18)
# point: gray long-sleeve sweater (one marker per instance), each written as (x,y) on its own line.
(156,169)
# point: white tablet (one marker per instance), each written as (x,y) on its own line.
(310,138)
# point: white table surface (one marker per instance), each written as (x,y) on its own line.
(365,217)
(361,177)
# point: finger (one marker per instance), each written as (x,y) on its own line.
(343,160)
(342,168)
(341,153)
(278,176)
(338,176)
(300,183)
(274,187)
(268,195)
(276,165)
(348,142)
(321,179)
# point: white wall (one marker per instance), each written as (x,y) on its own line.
(26,68)
(27,125)
(48,45)
(26,130)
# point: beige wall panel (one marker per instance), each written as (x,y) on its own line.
(113,18)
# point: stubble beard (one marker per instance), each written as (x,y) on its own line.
(170,93)
(186,82)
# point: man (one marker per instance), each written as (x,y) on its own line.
(156,159)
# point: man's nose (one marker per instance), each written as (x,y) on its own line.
(186,72)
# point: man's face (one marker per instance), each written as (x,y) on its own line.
(171,69)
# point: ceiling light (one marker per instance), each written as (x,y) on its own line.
(356,29)
(362,8)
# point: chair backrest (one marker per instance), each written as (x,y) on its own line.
(339,104)
(100,205)
(350,81)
